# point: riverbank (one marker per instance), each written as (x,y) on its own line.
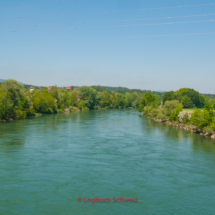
(187,127)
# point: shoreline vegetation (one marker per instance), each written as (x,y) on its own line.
(185,108)
(20,101)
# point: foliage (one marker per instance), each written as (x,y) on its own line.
(74,97)
(188,97)
(72,108)
(44,102)
(186,101)
(14,102)
(208,130)
(170,106)
(174,115)
(184,116)
(168,96)
(88,95)
(15,89)
(161,116)
(149,99)
(154,112)
(200,118)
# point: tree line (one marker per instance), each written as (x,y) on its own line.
(171,109)
(17,101)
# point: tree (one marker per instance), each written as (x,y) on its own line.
(16,90)
(74,97)
(6,110)
(194,97)
(54,92)
(148,99)
(170,107)
(88,94)
(104,99)
(168,96)
(174,115)
(200,118)
(44,102)
(186,101)
(16,103)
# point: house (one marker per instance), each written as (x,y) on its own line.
(78,98)
(69,88)
(61,88)
(40,89)
(50,88)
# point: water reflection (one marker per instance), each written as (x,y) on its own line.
(203,144)
(198,142)
(10,133)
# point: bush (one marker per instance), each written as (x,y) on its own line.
(212,125)
(200,118)
(140,109)
(170,106)
(147,110)
(175,113)
(60,110)
(208,130)
(154,112)
(184,116)
(72,109)
(161,116)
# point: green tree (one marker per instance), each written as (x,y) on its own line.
(148,99)
(168,96)
(170,107)
(74,97)
(16,90)
(201,118)
(186,101)
(88,94)
(17,103)
(6,105)
(175,113)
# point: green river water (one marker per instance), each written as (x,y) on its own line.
(47,162)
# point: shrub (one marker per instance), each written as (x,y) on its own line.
(212,125)
(154,112)
(60,110)
(200,118)
(161,116)
(184,116)
(175,113)
(140,109)
(71,108)
(208,130)
(170,106)
(147,110)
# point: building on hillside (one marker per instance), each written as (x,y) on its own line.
(40,89)
(78,98)
(50,88)
(69,88)
(61,88)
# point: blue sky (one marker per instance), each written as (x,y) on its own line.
(97,54)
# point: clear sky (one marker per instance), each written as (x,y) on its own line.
(98,54)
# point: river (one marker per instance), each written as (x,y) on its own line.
(47,162)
